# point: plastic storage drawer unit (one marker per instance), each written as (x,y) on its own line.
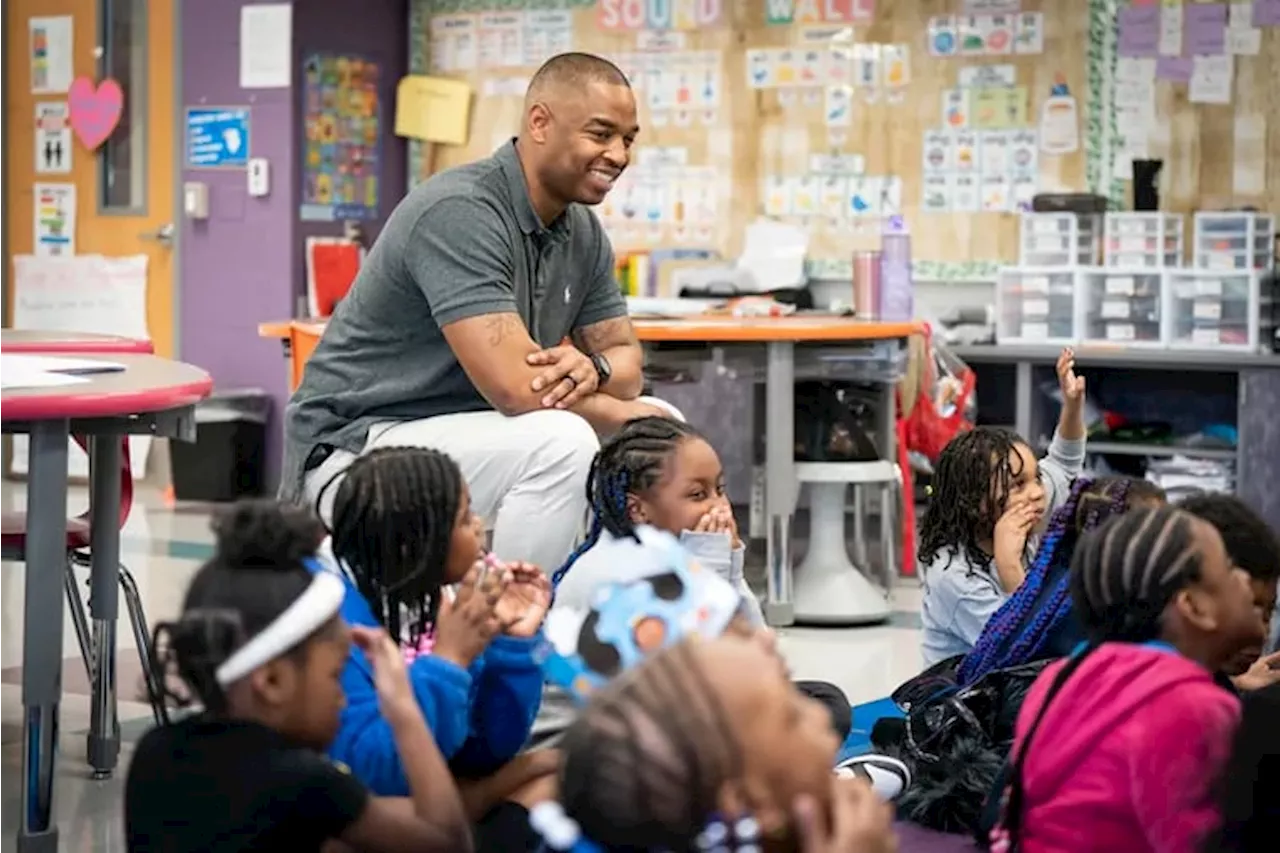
(1122,306)
(1036,305)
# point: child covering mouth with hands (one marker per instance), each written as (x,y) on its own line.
(990,498)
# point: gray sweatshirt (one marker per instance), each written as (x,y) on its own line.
(959,598)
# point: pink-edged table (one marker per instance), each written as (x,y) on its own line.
(103,747)
(150,395)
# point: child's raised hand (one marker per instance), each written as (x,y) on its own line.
(1072,386)
(524,602)
(390,676)
(466,624)
(860,821)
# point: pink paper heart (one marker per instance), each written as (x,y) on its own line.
(95,112)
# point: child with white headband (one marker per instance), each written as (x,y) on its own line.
(260,645)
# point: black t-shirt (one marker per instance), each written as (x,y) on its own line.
(228,786)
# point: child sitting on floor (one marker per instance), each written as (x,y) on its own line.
(990,497)
(707,745)
(1118,746)
(403,536)
(260,644)
(1251,544)
(1036,621)
(660,472)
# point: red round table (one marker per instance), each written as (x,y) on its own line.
(35,341)
(149,395)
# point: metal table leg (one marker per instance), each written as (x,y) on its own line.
(890,528)
(42,633)
(780,480)
(105,459)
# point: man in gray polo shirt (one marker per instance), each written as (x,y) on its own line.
(451,336)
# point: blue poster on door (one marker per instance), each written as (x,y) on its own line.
(217,137)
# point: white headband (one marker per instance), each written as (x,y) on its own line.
(317,605)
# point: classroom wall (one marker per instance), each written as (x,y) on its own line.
(757,136)
(376,33)
(239,265)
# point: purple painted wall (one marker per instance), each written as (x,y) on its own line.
(238,265)
(379,33)
(244,264)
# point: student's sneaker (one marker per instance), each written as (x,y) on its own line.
(888,777)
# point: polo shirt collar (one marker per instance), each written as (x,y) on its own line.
(530,222)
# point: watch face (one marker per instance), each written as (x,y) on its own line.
(602,367)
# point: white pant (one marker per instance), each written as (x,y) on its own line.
(527,475)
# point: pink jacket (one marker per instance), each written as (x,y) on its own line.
(1127,755)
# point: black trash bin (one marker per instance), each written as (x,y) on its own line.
(227,460)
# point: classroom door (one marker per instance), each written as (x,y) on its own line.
(125,190)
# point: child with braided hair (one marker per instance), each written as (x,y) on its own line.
(659,472)
(990,498)
(259,645)
(410,552)
(1036,621)
(1118,747)
(706,745)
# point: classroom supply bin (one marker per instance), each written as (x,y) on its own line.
(1212,309)
(228,458)
(1059,239)
(1121,306)
(1142,240)
(1037,305)
(1234,241)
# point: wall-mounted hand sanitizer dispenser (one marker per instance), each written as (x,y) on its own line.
(195,200)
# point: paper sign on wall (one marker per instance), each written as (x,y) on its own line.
(53,138)
(266,46)
(433,109)
(55,220)
(51,54)
(1059,123)
(84,293)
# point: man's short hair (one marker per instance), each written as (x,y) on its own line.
(575,70)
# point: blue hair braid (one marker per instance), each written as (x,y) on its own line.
(631,462)
(1020,630)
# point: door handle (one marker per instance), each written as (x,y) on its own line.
(163,235)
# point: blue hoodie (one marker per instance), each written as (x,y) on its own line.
(480,717)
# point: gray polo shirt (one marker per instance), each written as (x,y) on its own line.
(463,243)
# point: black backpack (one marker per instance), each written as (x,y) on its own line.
(955,740)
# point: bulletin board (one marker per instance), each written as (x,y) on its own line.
(1221,144)
(759,140)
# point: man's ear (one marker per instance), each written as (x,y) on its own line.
(539,122)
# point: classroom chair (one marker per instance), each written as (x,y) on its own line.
(303,339)
(78,529)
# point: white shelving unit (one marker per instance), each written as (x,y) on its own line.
(1059,240)
(1234,241)
(1121,306)
(1143,240)
(1037,305)
(1212,309)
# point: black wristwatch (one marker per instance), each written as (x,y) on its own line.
(603,370)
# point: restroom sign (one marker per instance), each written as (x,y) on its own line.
(53,138)
(658,14)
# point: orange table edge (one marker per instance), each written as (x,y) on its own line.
(801,329)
